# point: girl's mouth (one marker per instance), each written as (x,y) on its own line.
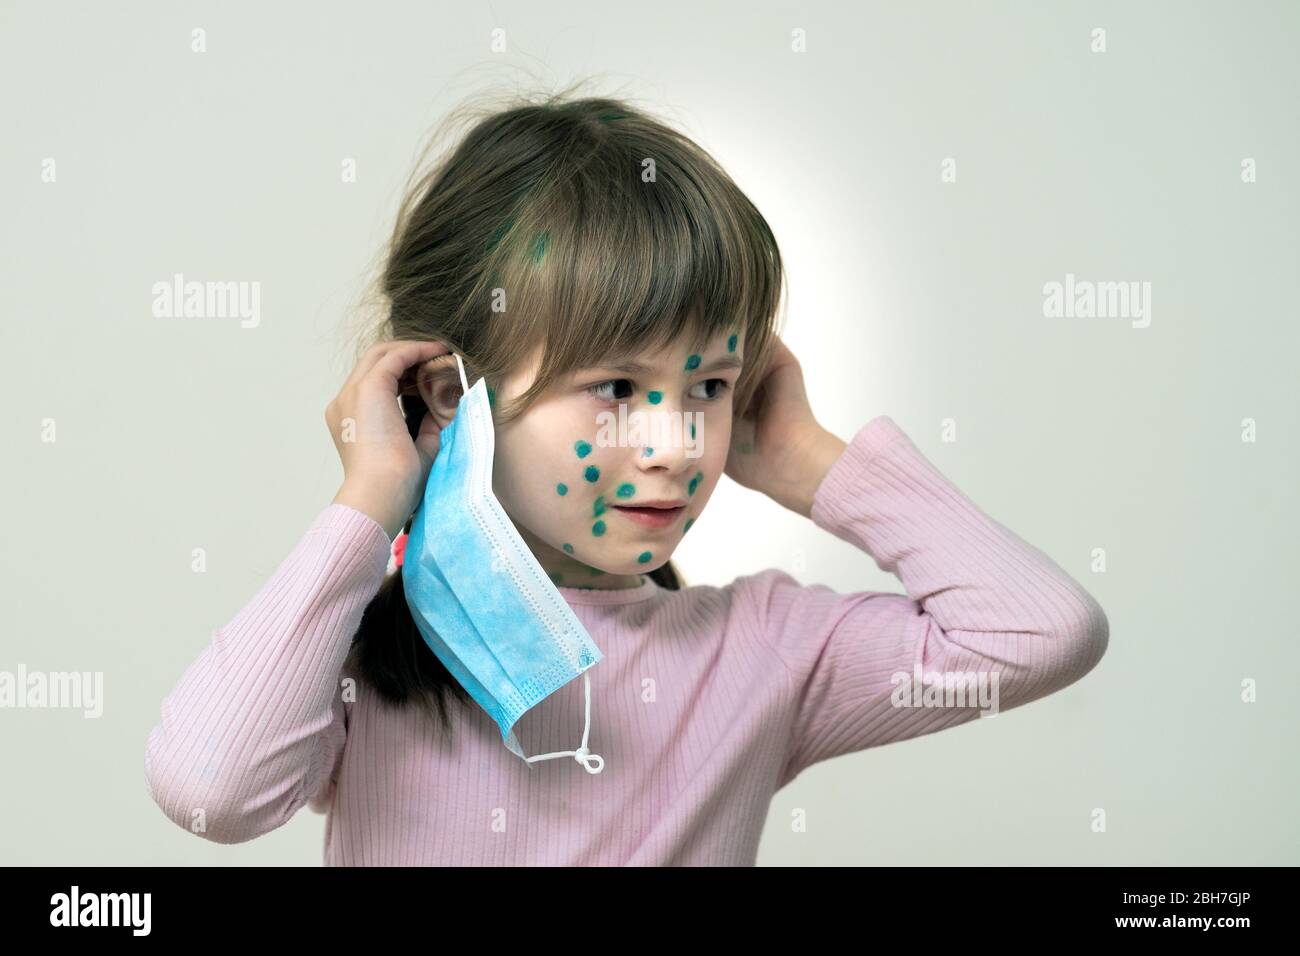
(655,518)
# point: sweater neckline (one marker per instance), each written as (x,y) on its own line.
(604,596)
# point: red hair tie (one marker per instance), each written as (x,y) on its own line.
(399,548)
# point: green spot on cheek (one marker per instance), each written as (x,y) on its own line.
(692,429)
(695,483)
(582,448)
(556,577)
(731,342)
(596,571)
(655,397)
(689,522)
(598,506)
(692,362)
(568,549)
(598,528)
(561,489)
(592,473)
(626,491)
(643,557)
(492,397)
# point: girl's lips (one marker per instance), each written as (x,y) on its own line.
(651,517)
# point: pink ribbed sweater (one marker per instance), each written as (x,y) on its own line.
(708,701)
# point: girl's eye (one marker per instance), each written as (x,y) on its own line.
(722,386)
(598,390)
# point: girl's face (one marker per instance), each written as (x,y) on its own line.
(576,473)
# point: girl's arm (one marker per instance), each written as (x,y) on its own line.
(254,729)
(980,602)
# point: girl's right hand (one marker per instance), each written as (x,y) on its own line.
(384,471)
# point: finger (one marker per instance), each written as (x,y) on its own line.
(366,362)
(389,368)
(414,378)
(428,440)
(376,353)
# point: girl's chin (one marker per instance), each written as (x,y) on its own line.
(576,568)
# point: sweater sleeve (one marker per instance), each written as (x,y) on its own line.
(255,727)
(988,621)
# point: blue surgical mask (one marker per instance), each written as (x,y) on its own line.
(481,601)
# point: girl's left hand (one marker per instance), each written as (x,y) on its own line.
(777,446)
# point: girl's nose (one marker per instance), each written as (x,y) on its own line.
(672,440)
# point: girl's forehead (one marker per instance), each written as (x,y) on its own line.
(664,356)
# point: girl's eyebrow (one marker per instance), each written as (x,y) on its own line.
(636,368)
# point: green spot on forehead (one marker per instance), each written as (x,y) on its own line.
(598,506)
(561,489)
(598,528)
(568,548)
(626,490)
(538,250)
(592,473)
(692,362)
(643,557)
(731,342)
(582,448)
(655,397)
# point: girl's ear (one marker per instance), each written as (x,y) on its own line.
(440,388)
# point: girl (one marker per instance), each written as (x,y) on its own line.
(580,255)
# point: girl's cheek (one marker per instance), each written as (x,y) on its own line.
(579,470)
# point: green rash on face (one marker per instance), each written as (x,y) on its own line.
(561,489)
(689,522)
(692,362)
(592,473)
(538,251)
(568,549)
(582,448)
(655,397)
(692,429)
(598,506)
(598,528)
(731,342)
(626,490)
(695,483)
(643,557)
(557,577)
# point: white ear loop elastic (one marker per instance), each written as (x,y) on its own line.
(464,383)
